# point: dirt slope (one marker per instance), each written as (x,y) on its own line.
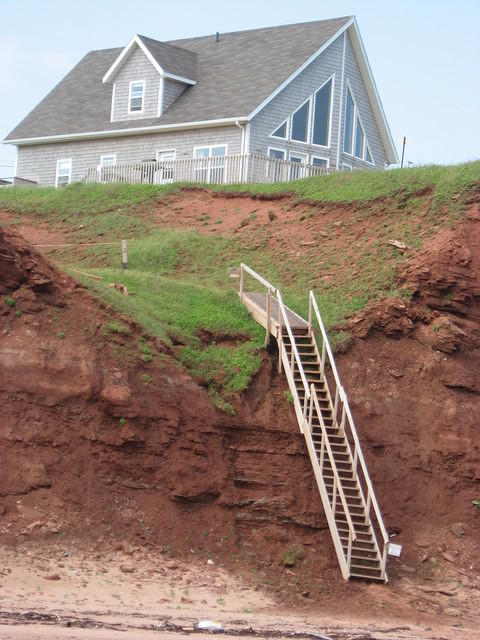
(101,447)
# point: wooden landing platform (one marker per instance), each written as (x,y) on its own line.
(256,303)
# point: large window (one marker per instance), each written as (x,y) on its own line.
(300,123)
(349,119)
(212,169)
(136,95)
(64,172)
(310,123)
(321,115)
(355,141)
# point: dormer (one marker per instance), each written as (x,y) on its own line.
(147,77)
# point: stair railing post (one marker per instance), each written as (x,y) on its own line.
(310,414)
(280,341)
(349,550)
(241,282)
(310,314)
(267,337)
(334,495)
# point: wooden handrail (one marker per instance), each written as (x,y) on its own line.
(333,464)
(344,401)
(278,295)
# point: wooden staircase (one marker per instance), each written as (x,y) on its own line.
(358,533)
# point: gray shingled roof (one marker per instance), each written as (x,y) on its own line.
(174,60)
(234,76)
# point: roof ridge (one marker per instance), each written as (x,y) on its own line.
(274,27)
(166,43)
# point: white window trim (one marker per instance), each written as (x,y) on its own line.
(362,157)
(276,149)
(160,151)
(69,160)
(287,130)
(137,111)
(320,158)
(330,119)
(356,115)
(108,155)
(309,122)
(210,147)
(347,165)
(303,156)
(367,146)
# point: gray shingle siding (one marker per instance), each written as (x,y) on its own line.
(291,97)
(354,79)
(39,162)
(171,91)
(137,68)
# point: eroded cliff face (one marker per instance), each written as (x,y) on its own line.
(104,447)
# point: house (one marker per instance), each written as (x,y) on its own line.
(299,95)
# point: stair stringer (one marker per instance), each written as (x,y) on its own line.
(305,430)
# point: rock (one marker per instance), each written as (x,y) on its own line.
(116,394)
(458,530)
(210,562)
(305,594)
(127,548)
(127,569)
(449,558)
(52,576)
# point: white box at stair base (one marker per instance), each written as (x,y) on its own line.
(394,550)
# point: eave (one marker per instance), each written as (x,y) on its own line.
(116,133)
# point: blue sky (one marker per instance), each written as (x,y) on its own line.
(425,55)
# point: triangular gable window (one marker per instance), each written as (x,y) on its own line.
(355,141)
(300,122)
(281,132)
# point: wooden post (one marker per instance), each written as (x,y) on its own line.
(241,283)
(124,255)
(267,337)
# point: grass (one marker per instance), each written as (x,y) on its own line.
(178,282)
(363,186)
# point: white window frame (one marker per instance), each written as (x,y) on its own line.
(287,130)
(277,149)
(209,167)
(309,122)
(330,120)
(327,160)
(367,146)
(165,173)
(303,157)
(57,176)
(137,111)
(346,166)
(161,152)
(362,157)
(356,115)
(108,155)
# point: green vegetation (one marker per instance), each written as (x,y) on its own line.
(363,186)
(177,280)
(292,556)
(10,302)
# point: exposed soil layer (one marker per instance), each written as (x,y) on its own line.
(105,451)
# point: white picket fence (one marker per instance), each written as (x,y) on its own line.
(229,169)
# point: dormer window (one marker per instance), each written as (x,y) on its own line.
(136,95)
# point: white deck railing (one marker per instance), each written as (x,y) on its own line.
(230,169)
